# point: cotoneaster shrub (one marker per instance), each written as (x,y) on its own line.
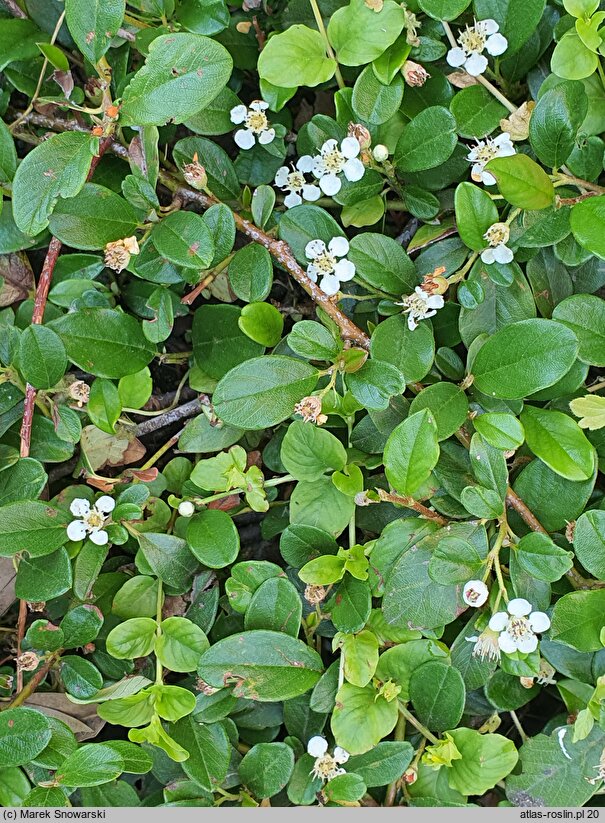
(300,403)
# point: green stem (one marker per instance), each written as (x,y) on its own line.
(601,73)
(159,671)
(417,724)
(324,34)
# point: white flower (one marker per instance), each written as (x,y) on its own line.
(517,628)
(486,150)
(473,42)
(333,161)
(486,645)
(186,508)
(324,263)
(497,252)
(326,765)
(420,305)
(475,593)
(381,153)
(257,127)
(295,183)
(91,519)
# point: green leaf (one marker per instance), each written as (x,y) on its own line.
(555,121)
(501,430)
(24,733)
(486,759)
(477,113)
(213,538)
(437,693)
(375,383)
(56,168)
(518,19)
(345,788)
(455,561)
(218,342)
(209,751)
(91,765)
(182,74)
(443,9)
(297,54)
(541,558)
(32,526)
(222,181)
(589,542)
(373,101)
(412,352)
(42,357)
(80,677)
(427,141)
(180,644)
(275,605)
(475,213)
(571,59)
(46,577)
(584,314)
(382,262)
(251,273)
(136,598)
(169,558)
(522,181)
(262,665)
(386,762)
(104,406)
(577,620)
(263,391)
(262,323)
(8,155)
(92,25)
(360,35)
(132,638)
(411,452)
(360,652)
(447,405)
(311,340)
(308,452)
(559,442)
(587,224)
(266,768)
(104,342)
(184,239)
(361,718)
(523,358)
(94,217)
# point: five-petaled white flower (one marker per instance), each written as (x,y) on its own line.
(518,627)
(497,252)
(326,765)
(324,263)
(475,593)
(483,36)
(257,127)
(332,161)
(486,150)
(295,182)
(91,519)
(420,305)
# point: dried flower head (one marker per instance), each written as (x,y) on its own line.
(435,282)
(414,74)
(28,662)
(79,391)
(315,594)
(309,409)
(195,174)
(118,253)
(360,133)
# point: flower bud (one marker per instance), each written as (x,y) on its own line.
(361,134)
(186,508)
(381,153)
(414,74)
(410,776)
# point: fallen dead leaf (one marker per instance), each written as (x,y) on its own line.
(18,277)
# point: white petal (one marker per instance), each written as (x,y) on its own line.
(319,168)
(412,324)
(498,621)
(305,163)
(338,246)
(476,64)
(329,145)
(506,150)
(79,507)
(266,136)
(260,105)
(330,184)
(519,607)
(317,746)
(479,592)
(477,172)
(292,199)
(472,155)
(490,26)
(353,170)
(501,139)
(310,192)
(105,504)
(350,147)
(539,621)
(77,530)
(313,248)
(488,179)
(344,270)
(341,755)
(487,255)
(330,284)
(281,176)
(507,643)
(238,114)
(502,254)
(435,301)
(312,272)
(99,538)
(496,44)
(456,57)
(528,643)
(244,138)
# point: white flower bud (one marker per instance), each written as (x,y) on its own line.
(475,593)
(381,153)
(186,508)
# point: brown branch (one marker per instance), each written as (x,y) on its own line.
(14,9)
(173,416)
(410,503)
(20,635)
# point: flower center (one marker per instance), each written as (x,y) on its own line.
(334,161)
(497,234)
(473,595)
(325,262)
(257,121)
(94,520)
(326,767)
(415,303)
(518,627)
(472,40)
(296,180)
(486,152)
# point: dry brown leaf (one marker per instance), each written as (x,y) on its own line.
(83,720)
(462,80)
(102,449)
(18,278)
(7,584)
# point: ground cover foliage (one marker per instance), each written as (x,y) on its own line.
(301,418)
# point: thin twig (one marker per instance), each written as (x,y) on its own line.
(20,635)
(14,9)
(173,416)
(410,503)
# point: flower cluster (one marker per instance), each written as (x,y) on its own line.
(91,519)
(325,263)
(486,150)
(255,122)
(333,161)
(472,42)
(326,766)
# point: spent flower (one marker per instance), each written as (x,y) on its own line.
(326,766)
(118,253)
(420,306)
